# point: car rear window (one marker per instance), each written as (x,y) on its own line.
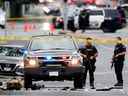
(96,12)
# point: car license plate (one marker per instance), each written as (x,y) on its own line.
(53,73)
(7,69)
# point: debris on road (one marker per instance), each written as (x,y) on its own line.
(12,84)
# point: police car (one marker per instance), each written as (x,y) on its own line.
(52,58)
(107,19)
(96,18)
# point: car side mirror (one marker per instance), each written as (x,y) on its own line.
(23,50)
(1,83)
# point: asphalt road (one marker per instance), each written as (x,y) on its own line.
(36,28)
(104,76)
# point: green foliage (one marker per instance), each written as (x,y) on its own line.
(1,2)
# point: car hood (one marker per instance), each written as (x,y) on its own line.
(10,60)
(52,53)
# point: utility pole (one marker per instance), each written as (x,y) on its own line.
(65,15)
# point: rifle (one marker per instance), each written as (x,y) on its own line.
(89,60)
(114,59)
(112,64)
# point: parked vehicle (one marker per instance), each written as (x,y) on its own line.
(11,58)
(113,21)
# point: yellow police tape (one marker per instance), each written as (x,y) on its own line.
(96,40)
(8,38)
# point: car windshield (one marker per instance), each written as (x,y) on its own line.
(52,43)
(97,12)
(125,10)
(10,51)
(111,13)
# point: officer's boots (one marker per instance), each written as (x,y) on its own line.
(92,86)
(118,86)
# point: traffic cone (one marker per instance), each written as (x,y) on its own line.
(52,28)
(27,27)
(13,25)
(33,27)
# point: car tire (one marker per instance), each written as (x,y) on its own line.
(27,81)
(78,82)
(2,26)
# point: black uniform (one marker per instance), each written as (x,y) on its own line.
(71,25)
(83,20)
(119,61)
(89,63)
(122,14)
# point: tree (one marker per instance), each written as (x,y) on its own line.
(16,6)
(1,2)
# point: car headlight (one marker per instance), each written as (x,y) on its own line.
(31,62)
(75,61)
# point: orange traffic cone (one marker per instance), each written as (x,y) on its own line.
(27,27)
(33,27)
(12,25)
(52,28)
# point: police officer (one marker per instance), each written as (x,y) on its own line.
(71,25)
(83,20)
(122,14)
(118,61)
(89,54)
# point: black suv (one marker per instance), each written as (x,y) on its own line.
(51,58)
(113,20)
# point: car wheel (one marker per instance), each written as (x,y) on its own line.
(78,82)
(27,81)
(2,26)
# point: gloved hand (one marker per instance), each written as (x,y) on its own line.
(94,68)
(111,66)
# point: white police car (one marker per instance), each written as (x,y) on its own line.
(96,18)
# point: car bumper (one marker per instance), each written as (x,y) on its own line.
(58,73)
(18,71)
